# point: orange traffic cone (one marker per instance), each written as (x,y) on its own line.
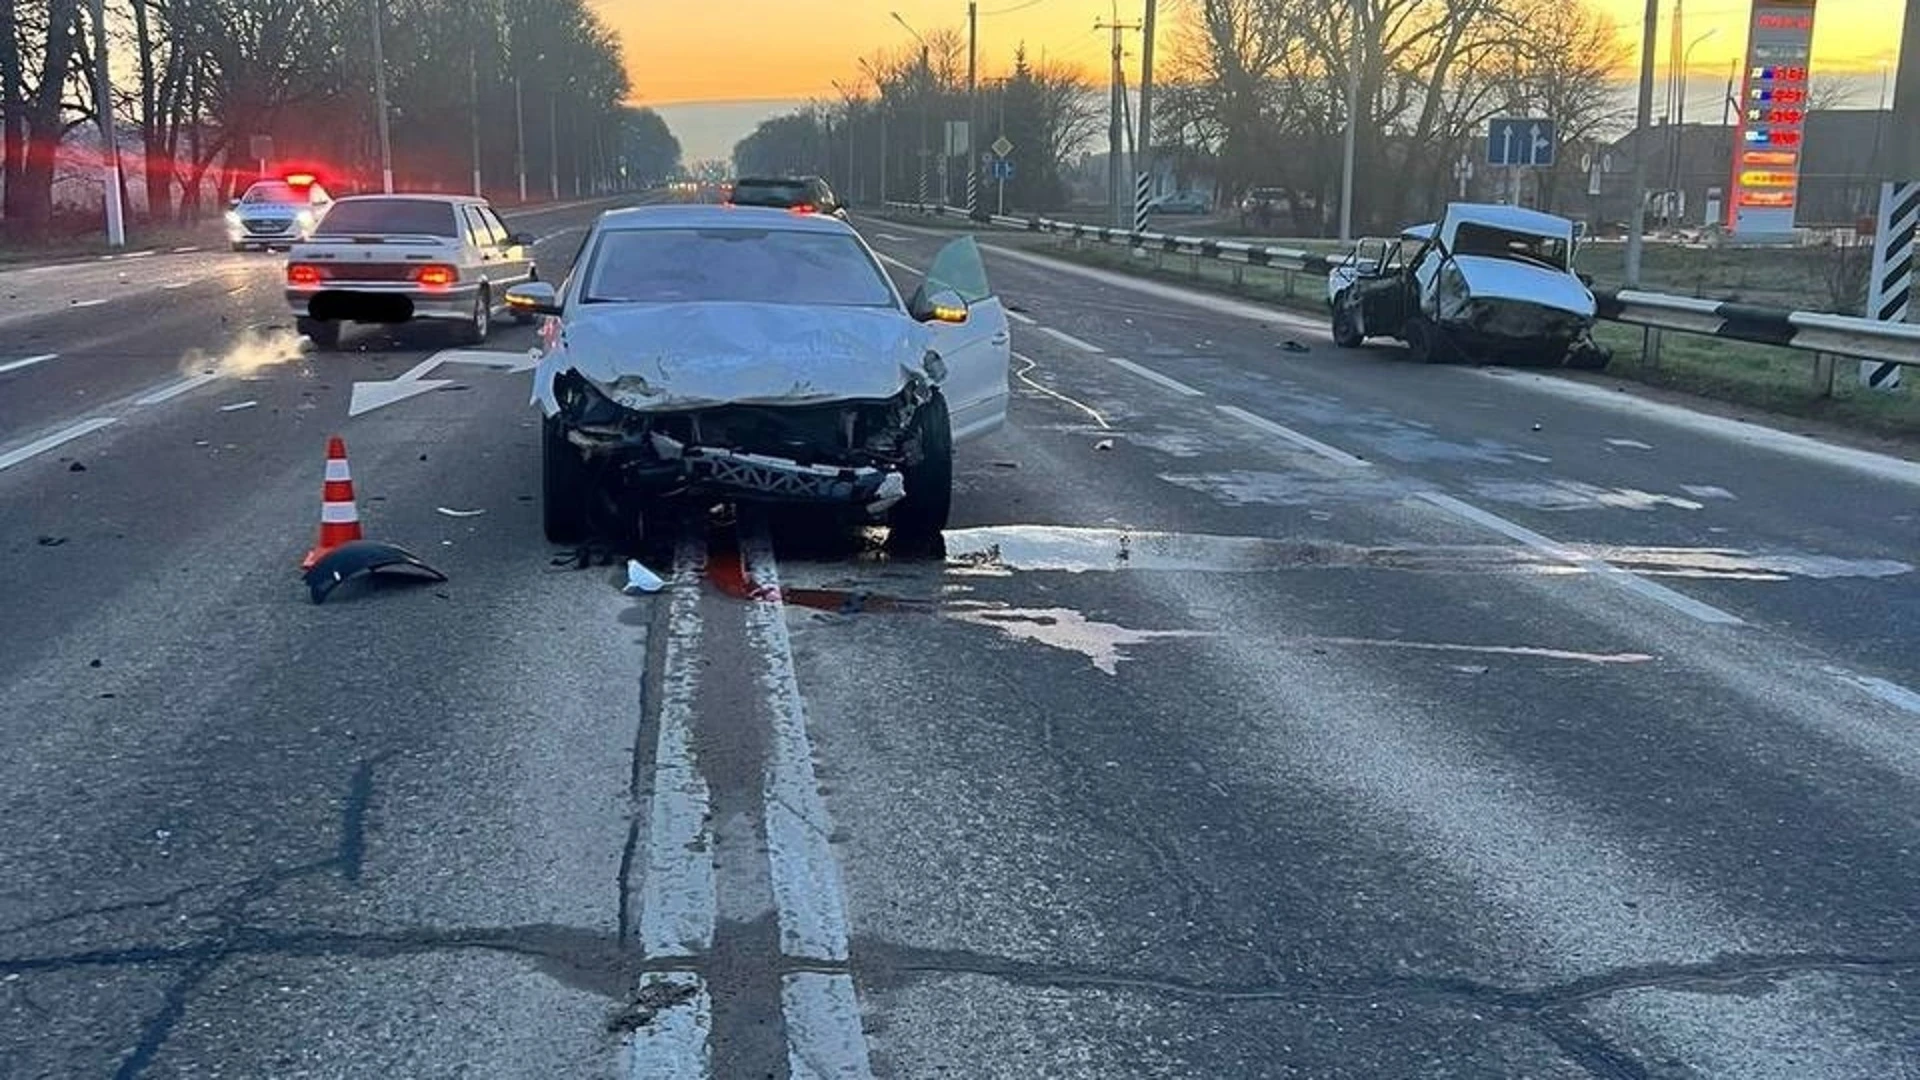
(339,519)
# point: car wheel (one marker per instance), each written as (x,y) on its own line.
(929,499)
(1589,356)
(1346,329)
(237,246)
(566,486)
(476,327)
(324,333)
(1423,341)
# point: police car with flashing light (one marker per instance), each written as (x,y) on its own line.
(276,213)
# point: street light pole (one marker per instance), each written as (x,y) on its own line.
(926,103)
(519,139)
(473,119)
(109,142)
(1354,61)
(1677,178)
(553,143)
(379,100)
(1637,227)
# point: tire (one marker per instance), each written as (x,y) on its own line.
(476,327)
(324,333)
(1423,341)
(237,246)
(1346,334)
(566,486)
(924,511)
(1589,356)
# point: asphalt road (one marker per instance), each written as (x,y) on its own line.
(1273,711)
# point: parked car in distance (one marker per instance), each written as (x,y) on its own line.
(276,213)
(399,258)
(1486,283)
(1181,202)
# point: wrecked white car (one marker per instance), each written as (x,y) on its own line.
(740,353)
(1487,283)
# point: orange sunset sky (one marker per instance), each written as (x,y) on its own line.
(745,50)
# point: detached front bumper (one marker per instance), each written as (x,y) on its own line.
(373,303)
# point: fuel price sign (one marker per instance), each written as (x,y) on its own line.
(1773,118)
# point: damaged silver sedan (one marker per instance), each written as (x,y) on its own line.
(736,353)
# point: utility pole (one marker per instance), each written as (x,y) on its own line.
(473,100)
(973,107)
(1642,142)
(1143,156)
(379,98)
(1116,138)
(109,142)
(553,143)
(1906,99)
(519,138)
(1356,58)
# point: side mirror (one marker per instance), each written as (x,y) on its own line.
(534,297)
(233,204)
(944,306)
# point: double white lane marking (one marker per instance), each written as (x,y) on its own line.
(678,899)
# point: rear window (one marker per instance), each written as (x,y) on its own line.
(741,265)
(771,192)
(273,193)
(373,217)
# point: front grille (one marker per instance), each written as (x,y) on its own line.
(269,228)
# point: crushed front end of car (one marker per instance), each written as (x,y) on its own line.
(1512,311)
(850,452)
(747,402)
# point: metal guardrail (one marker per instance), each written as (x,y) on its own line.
(1826,336)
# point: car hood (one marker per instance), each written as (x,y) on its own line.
(654,357)
(1509,279)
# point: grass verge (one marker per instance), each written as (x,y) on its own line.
(206,235)
(1774,380)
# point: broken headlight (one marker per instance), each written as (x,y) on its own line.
(581,402)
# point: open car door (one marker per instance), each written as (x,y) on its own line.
(977,352)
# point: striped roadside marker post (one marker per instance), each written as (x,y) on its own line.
(1142,186)
(973,191)
(1890,288)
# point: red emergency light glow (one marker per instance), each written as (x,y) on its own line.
(300,179)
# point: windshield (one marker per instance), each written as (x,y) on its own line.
(274,193)
(769,266)
(389,217)
(1470,238)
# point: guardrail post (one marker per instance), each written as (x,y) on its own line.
(1193,265)
(1823,369)
(1286,283)
(1650,347)
(1159,260)
(1239,275)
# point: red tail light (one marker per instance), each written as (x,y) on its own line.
(304,275)
(804,208)
(436,276)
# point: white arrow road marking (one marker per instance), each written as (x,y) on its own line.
(368,396)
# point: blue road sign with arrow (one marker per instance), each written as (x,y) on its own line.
(1520,140)
(1003,169)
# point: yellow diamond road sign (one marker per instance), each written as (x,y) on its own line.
(1002,147)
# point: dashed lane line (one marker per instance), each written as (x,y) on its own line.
(1152,376)
(1304,441)
(1068,339)
(16,365)
(174,390)
(1023,319)
(57,439)
(1626,579)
